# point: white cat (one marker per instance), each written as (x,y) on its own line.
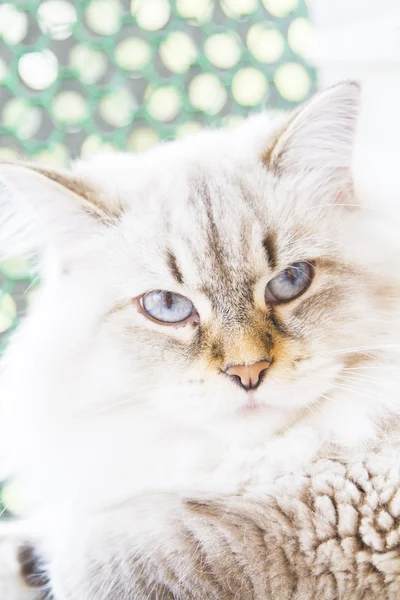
(213,314)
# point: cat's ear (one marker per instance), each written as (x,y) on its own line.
(318,138)
(45,207)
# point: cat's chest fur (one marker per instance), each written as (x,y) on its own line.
(92,468)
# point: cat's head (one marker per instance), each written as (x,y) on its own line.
(232,270)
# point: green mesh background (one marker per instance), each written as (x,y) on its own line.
(78,77)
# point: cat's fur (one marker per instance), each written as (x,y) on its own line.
(147,472)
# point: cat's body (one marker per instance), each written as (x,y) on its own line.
(126,433)
(329,533)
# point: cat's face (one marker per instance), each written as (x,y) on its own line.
(210,278)
(197,303)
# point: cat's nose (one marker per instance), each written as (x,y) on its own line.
(249,377)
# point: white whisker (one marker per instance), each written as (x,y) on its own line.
(354,350)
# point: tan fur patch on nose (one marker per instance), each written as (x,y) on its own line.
(245,350)
(223,347)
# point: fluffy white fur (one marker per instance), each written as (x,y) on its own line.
(96,412)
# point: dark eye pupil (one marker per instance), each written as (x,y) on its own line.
(168,300)
(292,274)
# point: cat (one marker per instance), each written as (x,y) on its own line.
(216,315)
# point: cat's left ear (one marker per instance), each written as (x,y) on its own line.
(45,208)
(318,138)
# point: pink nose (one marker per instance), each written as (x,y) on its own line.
(249,376)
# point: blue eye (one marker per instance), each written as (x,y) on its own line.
(167,307)
(290,283)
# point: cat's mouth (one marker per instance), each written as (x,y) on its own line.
(251,405)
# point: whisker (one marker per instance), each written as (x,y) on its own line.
(355,390)
(361,378)
(369,367)
(354,349)
(329,398)
(309,406)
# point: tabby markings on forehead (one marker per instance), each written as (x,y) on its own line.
(216,245)
(269,245)
(173,267)
(232,301)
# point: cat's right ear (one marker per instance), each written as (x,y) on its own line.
(48,208)
(317,140)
